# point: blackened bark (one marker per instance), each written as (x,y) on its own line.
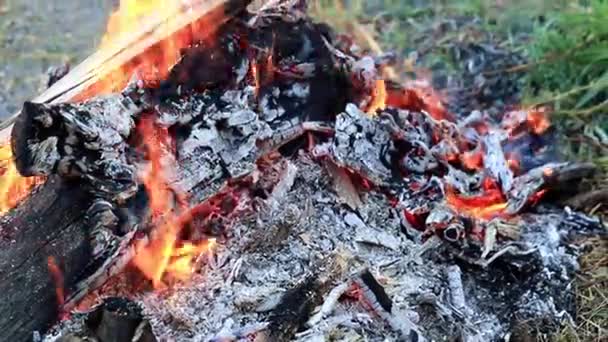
(50,224)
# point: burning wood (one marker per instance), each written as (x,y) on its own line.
(207,192)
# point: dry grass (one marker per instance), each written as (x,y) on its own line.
(592,296)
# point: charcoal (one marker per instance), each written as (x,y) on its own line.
(116,319)
(553,174)
(361,145)
(85,141)
(496,163)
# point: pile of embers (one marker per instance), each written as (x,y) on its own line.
(275,188)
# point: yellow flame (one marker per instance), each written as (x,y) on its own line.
(129,14)
(165,255)
(13,187)
(379,97)
(151,65)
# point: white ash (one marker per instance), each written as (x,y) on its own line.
(295,232)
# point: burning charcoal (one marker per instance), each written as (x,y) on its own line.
(419,159)
(529,186)
(419,203)
(465,183)
(294,309)
(373,237)
(203,180)
(103,224)
(344,185)
(114,320)
(117,256)
(444,221)
(298,303)
(329,304)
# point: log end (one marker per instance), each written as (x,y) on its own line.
(33,156)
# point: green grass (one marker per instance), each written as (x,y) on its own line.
(568,70)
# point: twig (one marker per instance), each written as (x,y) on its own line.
(329,304)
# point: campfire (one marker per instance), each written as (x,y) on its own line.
(224,171)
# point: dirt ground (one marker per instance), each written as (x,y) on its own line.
(38,34)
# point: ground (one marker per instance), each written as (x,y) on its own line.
(38,34)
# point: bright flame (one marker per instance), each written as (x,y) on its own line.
(13,187)
(152,65)
(156,31)
(128,15)
(163,257)
(379,97)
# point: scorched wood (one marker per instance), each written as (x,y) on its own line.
(50,227)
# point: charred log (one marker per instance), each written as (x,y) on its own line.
(50,227)
(79,141)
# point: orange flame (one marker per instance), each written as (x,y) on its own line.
(153,62)
(491,203)
(418,97)
(379,97)
(152,65)
(163,257)
(13,187)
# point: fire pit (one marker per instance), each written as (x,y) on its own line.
(250,176)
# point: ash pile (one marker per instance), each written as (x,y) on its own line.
(275,188)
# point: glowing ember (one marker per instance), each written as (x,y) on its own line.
(513,162)
(379,97)
(472,160)
(163,256)
(13,187)
(535,121)
(57,276)
(538,121)
(261,71)
(537,197)
(491,203)
(255,75)
(418,96)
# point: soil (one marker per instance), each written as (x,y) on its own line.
(38,34)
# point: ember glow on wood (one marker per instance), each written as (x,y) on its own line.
(270,185)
